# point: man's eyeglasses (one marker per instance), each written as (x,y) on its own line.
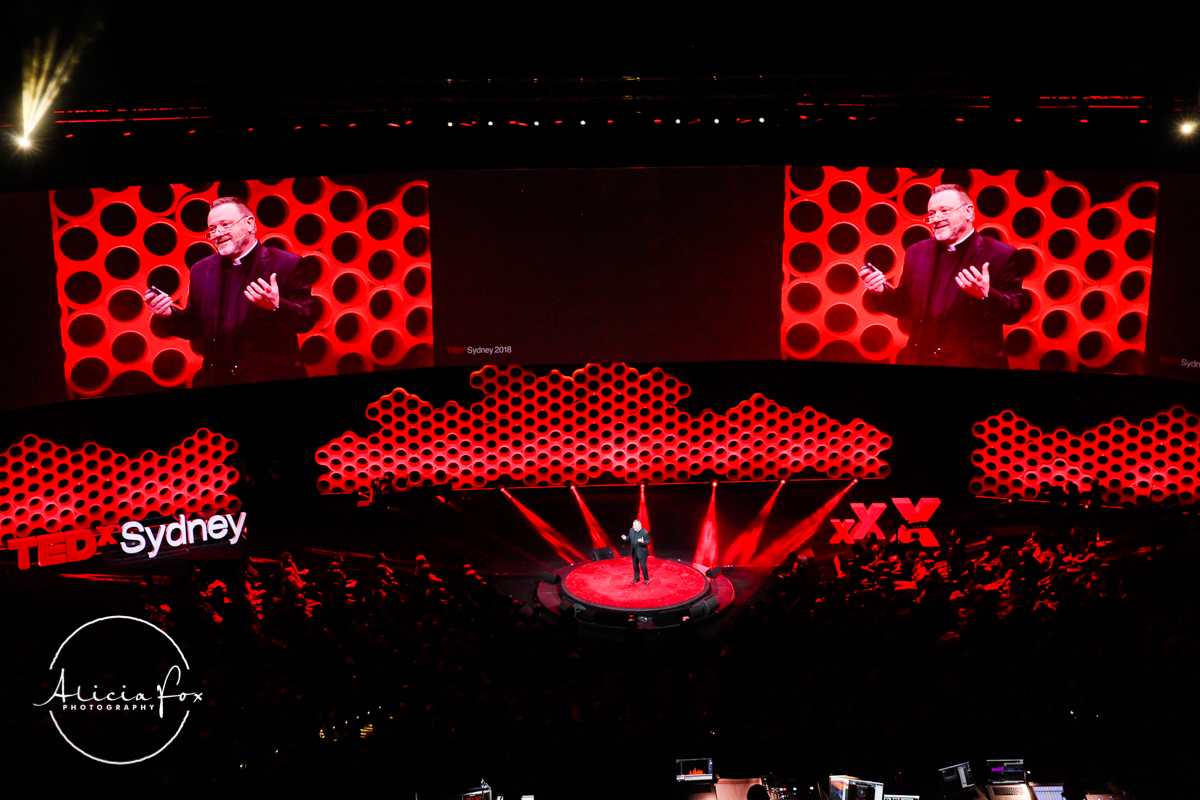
(223,227)
(933,216)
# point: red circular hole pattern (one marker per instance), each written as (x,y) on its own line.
(548,430)
(1098,354)
(1152,460)
(332,268)
(46,485)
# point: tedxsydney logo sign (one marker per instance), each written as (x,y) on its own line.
(123,690)
(136,537)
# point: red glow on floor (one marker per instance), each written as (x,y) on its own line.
(706,549)
(599,537)
(547,532)
(609,584)
(800,533)
(742,549)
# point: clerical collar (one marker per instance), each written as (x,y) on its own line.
(238,261)
(952,247)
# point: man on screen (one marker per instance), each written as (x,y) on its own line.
(246,304)
(639,548)
(957,290)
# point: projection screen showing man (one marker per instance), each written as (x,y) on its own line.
(957,292)
(247,304)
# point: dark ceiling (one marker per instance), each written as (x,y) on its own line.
(171,53)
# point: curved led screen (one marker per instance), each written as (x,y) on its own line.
(141,288)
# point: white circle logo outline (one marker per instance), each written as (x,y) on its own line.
(181,723)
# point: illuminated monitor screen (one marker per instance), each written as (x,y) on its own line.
(1006,770)
(1048,792)
(844,787)
(694,769)
(170,286)
(957,777)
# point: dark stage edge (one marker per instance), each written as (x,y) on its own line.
(718,592)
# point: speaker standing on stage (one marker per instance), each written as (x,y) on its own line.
(639,548)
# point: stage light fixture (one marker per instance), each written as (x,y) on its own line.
(450,124)
(714,483)
(676,122)
(535,122)
(583,122)
(715,121)
(760,119)
(23,141)
(1187,128)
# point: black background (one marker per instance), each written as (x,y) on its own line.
(607,265)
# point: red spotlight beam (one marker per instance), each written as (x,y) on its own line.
(599,537)
(706,548)
(800,533)
(547,532)
(742,549)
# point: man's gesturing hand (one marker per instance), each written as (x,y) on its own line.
(975,282)
(872,278)
(263,294)
(160,304)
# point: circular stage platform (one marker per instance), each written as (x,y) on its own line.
(603,593)
(608,585)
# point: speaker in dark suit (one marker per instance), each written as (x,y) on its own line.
(957,292)
(639,549)
(246,304)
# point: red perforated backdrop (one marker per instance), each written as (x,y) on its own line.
(369,268)
(1087,265)
(548,430)
(1154,459)
(45,485)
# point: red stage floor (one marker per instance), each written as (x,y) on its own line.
(606,584)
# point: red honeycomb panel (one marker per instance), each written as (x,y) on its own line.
(370,268)
(1151,460)
(553,429)
(46,485)
(1089,264)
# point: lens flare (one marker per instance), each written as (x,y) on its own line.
(44,73)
